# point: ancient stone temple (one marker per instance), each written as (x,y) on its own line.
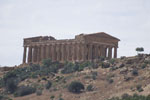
(85,47)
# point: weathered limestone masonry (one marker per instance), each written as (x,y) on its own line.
(85,47)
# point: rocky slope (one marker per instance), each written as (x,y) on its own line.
(110,78)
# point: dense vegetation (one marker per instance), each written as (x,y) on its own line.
(70,67)
(11,79)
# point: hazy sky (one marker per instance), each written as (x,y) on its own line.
(129,20)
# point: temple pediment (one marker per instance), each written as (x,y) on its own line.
(102,35)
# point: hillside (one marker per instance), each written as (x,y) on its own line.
(102,80)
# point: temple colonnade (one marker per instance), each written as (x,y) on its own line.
(74,52)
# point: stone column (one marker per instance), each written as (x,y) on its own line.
(34,56)
(30,55)
(110,53)
(58,52)
(42,52)
(78,52)
(115,52)
(83,52)
(100,48)
(47,51)
(51,49)
(38,54)
(99,51)
(71,52)
(103,51)
(96,51)
(62,52)
(68,52)
(53,52)
(24,54)
(90,52)
(74,52)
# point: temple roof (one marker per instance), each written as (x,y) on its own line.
(101,34)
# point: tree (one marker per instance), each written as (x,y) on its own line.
(139,49)
(76,87)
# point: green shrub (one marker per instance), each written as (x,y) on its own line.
(47,62)
(59,78)
(101,58)
(39,92)
(54,68)
(95,65)
(125,96)
(44,78)
(122,57)
(144,65)
(60,99)
(105,65)
(147,61)
(135,72)
(8,76)
(94,75)
(121,65)
(112,61)
(3,97)
(89,88)
(52,97)
(126,78)
(86,64)
(34,75)
(68,68)
(110,81)
(113,68)
(48,85)
(139,88)
(11,85)
(24,90)
(1,83)
(75,87)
